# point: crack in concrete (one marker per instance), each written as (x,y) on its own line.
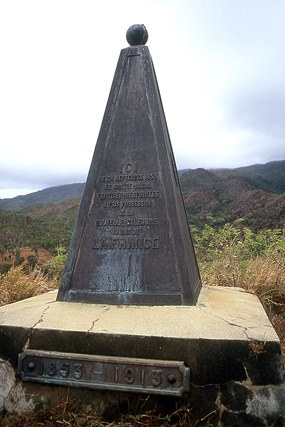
(92,326)
(51,302)
(244,328)
(26,345)
(233,324)
(96,320)
(41,318)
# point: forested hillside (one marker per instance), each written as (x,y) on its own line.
(48,196)
(214,200)
(269,177)
(48,228)
(45,219)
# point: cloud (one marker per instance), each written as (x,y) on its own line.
(220,67)
(25,180)
(260,109)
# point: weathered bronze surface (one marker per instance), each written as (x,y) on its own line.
(137,34)
(104,373)
(131,243)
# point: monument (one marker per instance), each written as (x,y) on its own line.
(131,243)
(150,327)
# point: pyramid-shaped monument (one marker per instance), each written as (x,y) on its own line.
(131,243)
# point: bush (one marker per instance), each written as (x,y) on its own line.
(238,242)
(16,285)
(32,261)
(235,256)
(4,268)
(54,268)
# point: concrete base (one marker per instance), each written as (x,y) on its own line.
(226,340)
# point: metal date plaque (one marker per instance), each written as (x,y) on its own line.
(104,372)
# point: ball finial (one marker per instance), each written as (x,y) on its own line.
(137,34)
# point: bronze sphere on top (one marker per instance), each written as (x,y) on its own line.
(137,35)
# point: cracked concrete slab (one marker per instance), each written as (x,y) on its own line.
(213,338)
(28,312)
(221,313)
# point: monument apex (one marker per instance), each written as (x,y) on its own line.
(131,243)
(137,35)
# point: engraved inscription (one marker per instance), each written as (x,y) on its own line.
(77,370)
(128,195)
(129,375)
(126,231)
(103,222)
(156,377)
(104,372)
(129,166)
(126,243)
(121,199)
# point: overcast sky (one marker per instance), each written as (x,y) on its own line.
(219,64)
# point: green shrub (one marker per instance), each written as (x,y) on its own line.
(54,268)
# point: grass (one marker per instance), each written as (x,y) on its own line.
(17,285)
(22,282)
(71,413)
(262,277)
(256,263)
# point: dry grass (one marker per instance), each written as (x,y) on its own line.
(17,285)
(264,277)
(70,413)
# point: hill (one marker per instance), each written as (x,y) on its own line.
(214,200)
(47,227)
(45,219)
(47,196)
(269,177)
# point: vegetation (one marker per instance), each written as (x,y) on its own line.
(70,413)
(269,177)
(52,195)
(45,219)
(215,200)
(235,256)
(21,282)
(45,228)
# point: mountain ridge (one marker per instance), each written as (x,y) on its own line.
(217,200)
(210,199)
(269,177)
(50,195)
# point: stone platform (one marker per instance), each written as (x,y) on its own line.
(226,339)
